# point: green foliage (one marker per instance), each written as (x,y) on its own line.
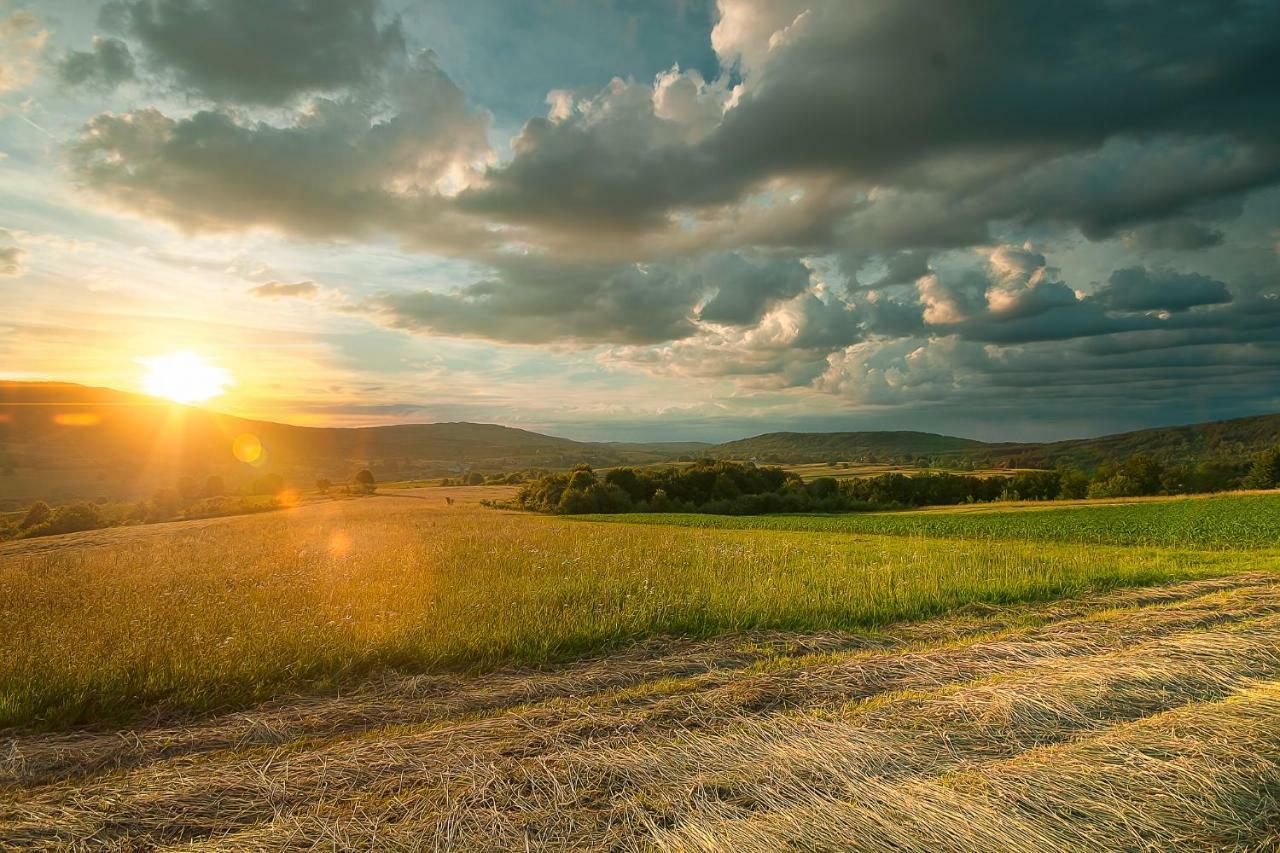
(268,484)
(1265,473)
(68,519)
(188,488)
(38,514)
(1219,522)
(165,504)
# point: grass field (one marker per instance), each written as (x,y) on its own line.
(356,674)
(1234,521)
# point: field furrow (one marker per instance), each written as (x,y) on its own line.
(1127,708)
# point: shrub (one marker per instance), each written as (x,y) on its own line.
(323,485)
(38,514)
(69,519)
(267,484)
(364,482)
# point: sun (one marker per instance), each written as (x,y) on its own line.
(184,377)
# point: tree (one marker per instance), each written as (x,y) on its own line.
(214,487)
(1265,473)
(38,514)
(188,488)
(165,504)
(365,481)
(323,485)
(267,484)
(475,478)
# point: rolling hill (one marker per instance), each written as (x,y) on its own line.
(61,441)
(1237,438)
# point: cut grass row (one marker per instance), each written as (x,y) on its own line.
(1244,521)
(224,617)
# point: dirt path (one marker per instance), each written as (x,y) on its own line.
(1146,717)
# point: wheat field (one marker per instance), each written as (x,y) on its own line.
(394,673)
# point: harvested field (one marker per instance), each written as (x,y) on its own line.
(1131,719)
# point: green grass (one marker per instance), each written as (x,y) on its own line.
(198,620)
(1222,522)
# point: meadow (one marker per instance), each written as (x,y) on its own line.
(400,672)
(1231,521)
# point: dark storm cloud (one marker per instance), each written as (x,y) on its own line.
(744,291)
(1175,234)
(261,51)
(106,65)
(535,300)
(1040,111)
(1138,289)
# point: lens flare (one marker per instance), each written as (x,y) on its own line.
(247,448)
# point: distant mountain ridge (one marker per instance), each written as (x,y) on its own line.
(65,440)
(1237,437)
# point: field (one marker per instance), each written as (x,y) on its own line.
(1231,521)
(402,673)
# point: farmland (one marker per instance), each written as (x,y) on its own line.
(1217,522)
(386,672)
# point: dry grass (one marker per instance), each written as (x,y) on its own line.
(201,617)
(1134,719)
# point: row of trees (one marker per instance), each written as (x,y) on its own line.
(188,498)
(733,488)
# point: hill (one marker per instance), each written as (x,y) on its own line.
(1239,438)
(1236,438)
(871,446)
(61,441)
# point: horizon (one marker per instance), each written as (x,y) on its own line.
(666,439)
(633,221)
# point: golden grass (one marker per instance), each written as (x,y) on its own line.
(1133,719)
(217,615)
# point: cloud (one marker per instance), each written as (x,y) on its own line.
(278,290)
(11,256)
(1174,234)
(256,52)
(349,167)
(1138,289)
(106,65)
(22,40)
(744,291)
(948,117)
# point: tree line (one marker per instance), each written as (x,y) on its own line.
(735,488)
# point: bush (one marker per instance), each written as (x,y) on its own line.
(38,514)
(165,504)
(267,484)
(364,482)
(69,519)
(1265,473)
(475,478)
(323,485)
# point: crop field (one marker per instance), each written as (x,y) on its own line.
(400,672)
(1219,522)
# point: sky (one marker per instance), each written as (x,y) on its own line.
(652,219)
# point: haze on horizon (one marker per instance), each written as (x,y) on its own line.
(650,220)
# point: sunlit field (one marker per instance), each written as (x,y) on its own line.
(218,616)
(397,672)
